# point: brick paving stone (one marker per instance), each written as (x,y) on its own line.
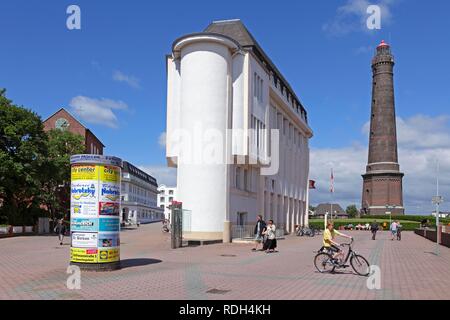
(35,268)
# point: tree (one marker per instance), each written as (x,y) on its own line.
(352,211)
(23,153)
(55,193)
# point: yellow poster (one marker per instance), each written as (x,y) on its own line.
(108,255)
(83,255)
(109,174)
(84,172)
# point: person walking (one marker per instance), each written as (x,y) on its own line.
(394,228)
(374,229)
(399,231)
(270,232)
(260,228)
(60,229)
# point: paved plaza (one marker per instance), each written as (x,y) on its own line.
(35,268)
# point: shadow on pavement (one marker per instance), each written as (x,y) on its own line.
(130,263)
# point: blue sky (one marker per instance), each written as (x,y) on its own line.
(116,62)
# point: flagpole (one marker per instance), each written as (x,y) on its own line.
(332,191)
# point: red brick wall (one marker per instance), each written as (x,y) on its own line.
(75,126)
(383,190)
(91,139)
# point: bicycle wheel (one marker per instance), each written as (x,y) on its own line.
(323,263)
(360,265)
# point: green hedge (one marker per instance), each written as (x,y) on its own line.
(407,225)
(431,219)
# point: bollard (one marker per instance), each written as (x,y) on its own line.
(227,237)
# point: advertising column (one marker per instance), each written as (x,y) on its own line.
(95,212)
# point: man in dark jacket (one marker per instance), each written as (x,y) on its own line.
(374,228)
(260,227)
(60,229)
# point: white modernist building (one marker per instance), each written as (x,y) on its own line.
(139,193)
(165,197)
(226,99)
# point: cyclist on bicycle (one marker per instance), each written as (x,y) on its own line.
(328,242)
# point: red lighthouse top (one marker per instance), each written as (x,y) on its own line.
(383,44)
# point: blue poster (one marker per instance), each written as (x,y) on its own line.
(109,225)
(81,224)
(108,240)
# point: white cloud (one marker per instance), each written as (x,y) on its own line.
(163,174)
(421,139)
(352,16)
(130,80)
(97,111)
(162,140)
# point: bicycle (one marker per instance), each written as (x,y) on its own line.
(165,226)
(317,231)
(305,231)
(325,263)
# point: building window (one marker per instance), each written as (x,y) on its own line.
(261,88)
(246,180)
(171,192)
(241,219)
(258,84)
(238,178)
(161,199)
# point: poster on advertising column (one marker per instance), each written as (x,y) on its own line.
(84,198)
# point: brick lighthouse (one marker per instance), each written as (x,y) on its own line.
(382,186)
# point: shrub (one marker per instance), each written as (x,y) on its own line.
(407,225)
(431,219)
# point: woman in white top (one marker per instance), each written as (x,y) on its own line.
(271,237)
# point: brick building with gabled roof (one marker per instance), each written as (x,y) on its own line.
(63,120)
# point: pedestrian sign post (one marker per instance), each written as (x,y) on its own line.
(437,200)
(176,225)
(390,217)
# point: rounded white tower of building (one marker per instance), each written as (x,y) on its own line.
(205,67)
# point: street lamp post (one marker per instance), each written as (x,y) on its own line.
(437,200)
(389,210)
(390,215)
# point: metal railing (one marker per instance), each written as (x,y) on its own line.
(248,231)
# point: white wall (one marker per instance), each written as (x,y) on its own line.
(205,86)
